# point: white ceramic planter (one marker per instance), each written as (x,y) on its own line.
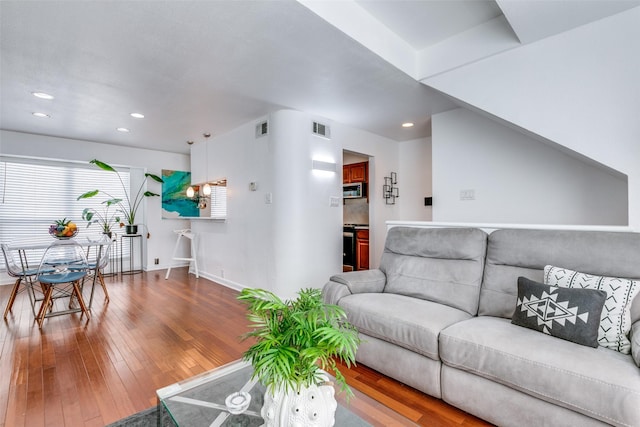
(314,406)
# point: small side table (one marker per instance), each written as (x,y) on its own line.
(131,238)
(112,269)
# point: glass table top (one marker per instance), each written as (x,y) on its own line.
(200,401)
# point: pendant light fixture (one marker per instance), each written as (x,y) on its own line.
(202,200)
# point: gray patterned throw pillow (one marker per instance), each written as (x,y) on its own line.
(615,322)
(570,314)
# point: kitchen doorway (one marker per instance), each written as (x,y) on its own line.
(356,214)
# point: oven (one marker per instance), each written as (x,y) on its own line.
(348,248)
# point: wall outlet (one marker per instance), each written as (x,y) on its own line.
(156,261)
(334,201)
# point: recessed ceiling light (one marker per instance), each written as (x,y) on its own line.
(125,130)
(137,115)
(407,125)
(42,115)
(42,95)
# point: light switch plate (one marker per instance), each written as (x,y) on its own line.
(467,194)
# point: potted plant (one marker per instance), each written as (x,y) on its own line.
(295,341)
(104,218)
(129,206)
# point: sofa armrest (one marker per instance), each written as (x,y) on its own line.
(360,282)
(353,282)
(635,342)
(333,292)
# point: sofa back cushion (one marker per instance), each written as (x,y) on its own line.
(514,253)
(443,265)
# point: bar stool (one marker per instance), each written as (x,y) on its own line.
(186,233)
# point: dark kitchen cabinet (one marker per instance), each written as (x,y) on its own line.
(362,249)
(355,172)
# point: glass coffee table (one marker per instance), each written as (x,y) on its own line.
(200,401)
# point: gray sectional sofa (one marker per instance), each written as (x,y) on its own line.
(437,316)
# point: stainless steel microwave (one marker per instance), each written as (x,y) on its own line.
(352,190)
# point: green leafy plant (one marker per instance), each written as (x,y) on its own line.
(296,339)
(104,218)
(129,206)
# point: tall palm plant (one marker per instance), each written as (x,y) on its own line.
(129,205)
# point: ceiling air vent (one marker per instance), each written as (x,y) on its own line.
(321,130)
(262,129)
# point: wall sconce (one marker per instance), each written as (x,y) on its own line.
(389,191)
(319,165)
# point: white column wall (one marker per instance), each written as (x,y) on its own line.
(291,243)
(307,229)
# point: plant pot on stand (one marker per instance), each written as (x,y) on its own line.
(131,229)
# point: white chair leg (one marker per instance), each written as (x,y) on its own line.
(194,256)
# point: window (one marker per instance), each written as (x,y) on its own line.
(219,200)
(34,194)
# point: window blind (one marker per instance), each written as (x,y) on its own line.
(218,201)
(34,194)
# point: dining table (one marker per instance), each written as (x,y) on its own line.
(24,247)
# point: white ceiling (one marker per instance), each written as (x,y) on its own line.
(424,23)
(209,66)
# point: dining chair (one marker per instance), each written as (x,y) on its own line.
(23,276)
(63,266)
(99,263)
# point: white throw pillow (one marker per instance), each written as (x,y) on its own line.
(615,321)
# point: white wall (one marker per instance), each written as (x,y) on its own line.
(237,252)
(162,239)
(579,89)
(414,182)
(516,179)
(296,241)
(308,229)
(285,245)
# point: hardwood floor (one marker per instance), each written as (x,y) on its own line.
(152,333)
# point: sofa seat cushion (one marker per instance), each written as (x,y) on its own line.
(408,322)
(597,382)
